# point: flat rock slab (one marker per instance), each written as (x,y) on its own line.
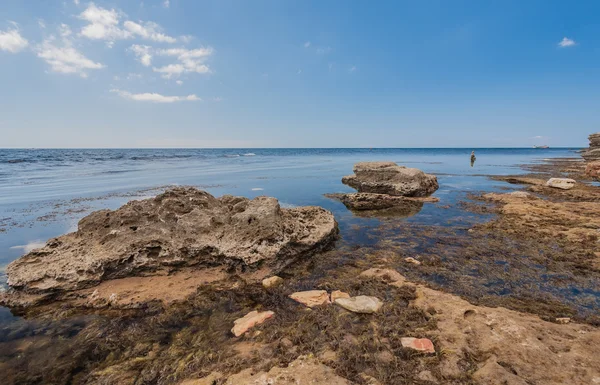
(391,179)
(561,183)
(311,298)
(242,325)
(360,304)
(420,344)
(182,227)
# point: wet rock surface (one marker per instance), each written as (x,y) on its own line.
(391,179)
(180,228)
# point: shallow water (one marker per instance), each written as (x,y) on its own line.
(43,193)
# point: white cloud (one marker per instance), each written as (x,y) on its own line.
(307,44)
(323,50)
(41,23)
(63,57)
(217,99)
(104,24)
(12,41)
(179,82)
(149,30)
(76,2)
(189,61)
(142,52)
(166,3)
(154,97)
(352,69)
(566,42)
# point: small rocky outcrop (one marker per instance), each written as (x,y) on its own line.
(391,179)
(592,169)
(593,152)
(180,228)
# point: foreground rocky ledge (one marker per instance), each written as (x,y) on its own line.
(182,227)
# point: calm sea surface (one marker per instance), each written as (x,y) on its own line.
(43,193)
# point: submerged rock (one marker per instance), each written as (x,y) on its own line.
(242,325)
(179,228)
(360,304)
(311,298)
(561,183)
(391,179)
(363,203)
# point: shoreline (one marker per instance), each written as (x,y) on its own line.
(200,322)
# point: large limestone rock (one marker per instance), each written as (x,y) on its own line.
(593,152)
(389,178)
(179,228)
(561,183)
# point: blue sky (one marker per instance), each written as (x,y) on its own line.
(187,73)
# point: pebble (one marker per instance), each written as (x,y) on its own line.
(419,344)
(271,282)
(242,325)
(311,298)
(360,304)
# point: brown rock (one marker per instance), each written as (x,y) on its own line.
(420,344)
(272,282)
(242,325)
(390,205)
(338,294)
(181,227)
(563,320)
(311,298)
(592,169)
(391,179)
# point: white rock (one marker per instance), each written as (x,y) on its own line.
(561,183)
(360,304)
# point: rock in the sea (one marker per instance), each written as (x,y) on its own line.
(311,298)
(561,183)
(272,282)
(420,344)
(242,325)
(391,179)
(360,304)
(392,205)
(592,169)
(338,294)
(593,152)
(181,227)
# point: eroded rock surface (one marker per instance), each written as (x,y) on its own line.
(561,183)
(391,179)
(179,228)
(593,152)
(390,204)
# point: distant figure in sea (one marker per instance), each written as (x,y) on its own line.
(473,158)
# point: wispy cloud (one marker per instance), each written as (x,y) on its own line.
(352,69)
(105,24)
(155,97)
(566,42)
(142,52)
(190,61)
(166,3)
(323,50)
(307,44)
(12,41)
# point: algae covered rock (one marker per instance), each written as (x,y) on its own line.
(179,228)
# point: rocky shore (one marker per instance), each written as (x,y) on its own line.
(186,288)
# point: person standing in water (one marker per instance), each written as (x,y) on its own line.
(473,158)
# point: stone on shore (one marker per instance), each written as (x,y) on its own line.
(338,294)
(412,260)
(183,227)
(311,298)
(391,179)
(419,344)
(561,183)
(247,322)
(271,282)
(360,304)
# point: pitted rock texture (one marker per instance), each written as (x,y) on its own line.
(181,227)
(391,179)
